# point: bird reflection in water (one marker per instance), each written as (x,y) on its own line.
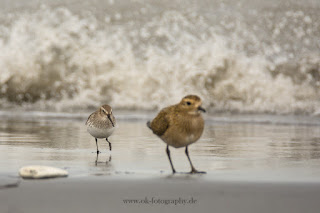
(104,162)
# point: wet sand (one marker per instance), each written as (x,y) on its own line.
(108,194)
(253,164)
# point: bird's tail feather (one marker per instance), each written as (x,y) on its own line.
(149,124)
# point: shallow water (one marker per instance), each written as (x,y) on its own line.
(231,147)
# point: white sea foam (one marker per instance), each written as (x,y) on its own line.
(54,58)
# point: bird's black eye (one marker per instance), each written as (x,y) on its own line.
(188,103)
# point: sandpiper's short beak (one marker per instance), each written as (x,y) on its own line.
(201,109)
(110,120)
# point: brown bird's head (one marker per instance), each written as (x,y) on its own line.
(106,110)
(191,104)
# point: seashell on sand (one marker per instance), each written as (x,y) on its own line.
(37,172)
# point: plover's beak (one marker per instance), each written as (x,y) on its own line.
(110,120)
(201,109)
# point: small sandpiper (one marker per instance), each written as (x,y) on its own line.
(180,125)
(101,124)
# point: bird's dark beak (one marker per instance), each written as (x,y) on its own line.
(110,120)
(201,109)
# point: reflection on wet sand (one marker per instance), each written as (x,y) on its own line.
(104,162)
(103,165)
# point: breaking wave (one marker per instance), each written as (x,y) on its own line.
(266,60)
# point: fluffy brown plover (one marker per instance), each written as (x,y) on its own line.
(180,125)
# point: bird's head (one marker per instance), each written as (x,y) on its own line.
(106,110)
(191,104)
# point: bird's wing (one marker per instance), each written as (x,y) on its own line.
(160,124)
(89,118)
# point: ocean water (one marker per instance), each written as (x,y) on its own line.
(246,56)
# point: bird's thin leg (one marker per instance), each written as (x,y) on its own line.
(193,170)
(109,144)
(109,159)
(97,146)
(97,159)
(168,153)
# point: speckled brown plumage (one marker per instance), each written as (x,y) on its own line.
(99,118)
(180,125)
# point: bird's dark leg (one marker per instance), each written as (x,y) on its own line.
(193,170)
(168,153)
(109,144)
(97,146)
(109,159)
(97,159)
